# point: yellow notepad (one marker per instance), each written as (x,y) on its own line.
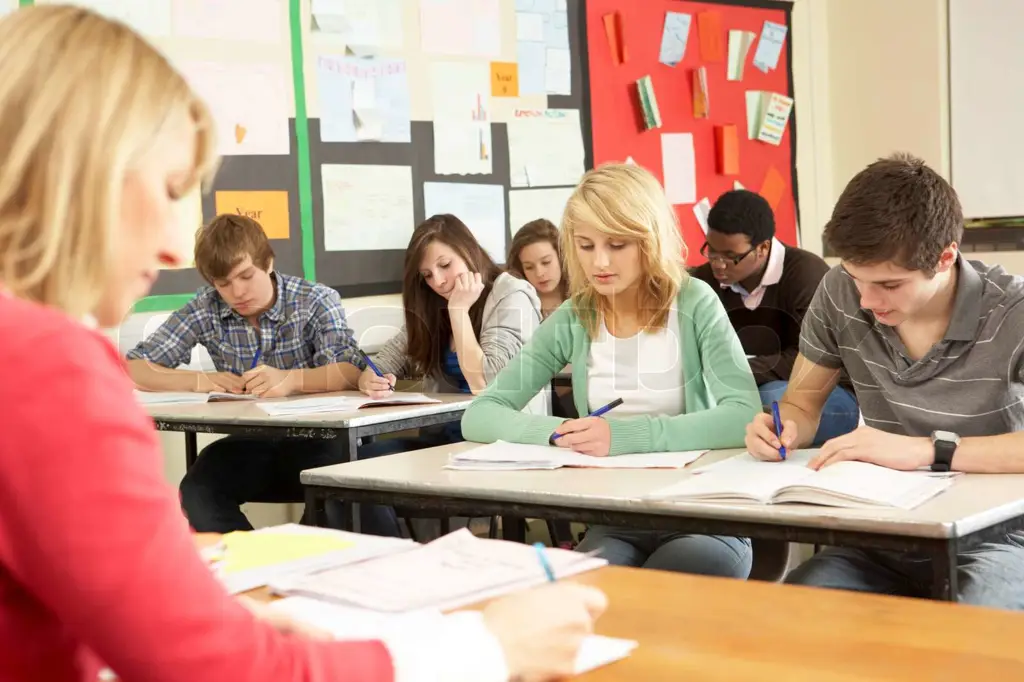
(245,551)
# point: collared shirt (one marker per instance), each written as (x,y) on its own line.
(304,328)
(772,275)
(970,382)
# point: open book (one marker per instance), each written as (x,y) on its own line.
(502,456)
(341,404)
(846,484)
(189,398)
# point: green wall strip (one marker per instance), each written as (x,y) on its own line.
(25,3)
(152,304)
(302,140)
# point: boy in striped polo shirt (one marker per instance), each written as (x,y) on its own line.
(932,344)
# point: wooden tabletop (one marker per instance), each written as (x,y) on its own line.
(246,413)
(973,502)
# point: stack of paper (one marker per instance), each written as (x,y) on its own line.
(246,560)
(353,624)
(323,404)
(180,398)
(452,571)
(502,456)
(845,484)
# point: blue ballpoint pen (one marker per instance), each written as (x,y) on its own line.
(778,429)
(256,359)
(369,363)
(597,413)
(543,557)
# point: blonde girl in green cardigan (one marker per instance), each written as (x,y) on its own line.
(635,327)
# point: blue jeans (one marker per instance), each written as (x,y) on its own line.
(839,416)
(991,574)
(717,555)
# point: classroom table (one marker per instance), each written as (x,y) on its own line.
(245,418)
(723,630)
(977,508)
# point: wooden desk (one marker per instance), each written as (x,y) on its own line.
(975,509)
(245,418)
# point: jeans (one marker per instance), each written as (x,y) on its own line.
(991,574)
(239,469)
(717,555)
(839,416)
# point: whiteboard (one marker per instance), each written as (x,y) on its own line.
(986,63)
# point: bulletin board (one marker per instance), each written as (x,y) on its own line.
(617,132)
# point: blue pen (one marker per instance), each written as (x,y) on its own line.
(778,429)
(543,557)
(369,363)
(597,413)
(256,358)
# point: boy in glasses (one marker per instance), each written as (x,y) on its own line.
(766,288)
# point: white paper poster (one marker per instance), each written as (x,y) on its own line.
(470,28)
(367,208)
(480,207)
(363,99)
(251,104)
(679,165)
(258,21)
(461,102)
(545,147)
(363,25)
(151,19)
(542,48)
(525,205)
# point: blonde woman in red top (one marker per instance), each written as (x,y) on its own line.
(100,138)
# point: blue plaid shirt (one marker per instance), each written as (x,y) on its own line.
(304,328)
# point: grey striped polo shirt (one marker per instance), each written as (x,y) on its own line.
(970,382)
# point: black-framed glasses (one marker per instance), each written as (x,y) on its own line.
(714,256)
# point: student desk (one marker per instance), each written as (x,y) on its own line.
(720,630)
(245,418)
(975,509)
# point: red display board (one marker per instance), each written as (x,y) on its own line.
(616,126)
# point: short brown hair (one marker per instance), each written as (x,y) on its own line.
(897,209)
(539,230)
(225,242)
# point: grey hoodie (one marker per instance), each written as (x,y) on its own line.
(511,315)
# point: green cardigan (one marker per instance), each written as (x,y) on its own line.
(721,396)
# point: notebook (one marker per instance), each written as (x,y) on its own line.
(187,398)
(502,456)
(846,484)
(452,571)
(348,623)
(341,404)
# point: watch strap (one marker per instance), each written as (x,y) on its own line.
(944,450)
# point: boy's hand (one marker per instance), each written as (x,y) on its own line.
(222,382)
(269,382)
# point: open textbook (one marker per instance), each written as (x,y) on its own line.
(348,623)
(187,398)
(342,403)
(744,478)
(455,570)
(502,456)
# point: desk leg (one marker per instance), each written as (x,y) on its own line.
(349,453)
(315,513)
(191,449)
(944,571)
(513,528)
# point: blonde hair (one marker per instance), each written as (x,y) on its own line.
(81,98)
(625,201)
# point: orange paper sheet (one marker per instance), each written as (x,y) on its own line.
(773,187)
(701,104)
(269,209)
(712,40)
(727,150)
(616,40)
(504,79)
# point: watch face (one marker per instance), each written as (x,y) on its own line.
(946,435)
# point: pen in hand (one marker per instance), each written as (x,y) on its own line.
(778,429)
(544,563)
(597,413)
(369,363)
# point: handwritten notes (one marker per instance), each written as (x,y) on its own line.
(545,147)
(770,46)
(674,37)
(775,113)
(363,99)
(504,79)
(269,209)
(367,208)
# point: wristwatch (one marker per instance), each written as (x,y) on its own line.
(945,443)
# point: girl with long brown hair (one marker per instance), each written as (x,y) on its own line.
(535,256)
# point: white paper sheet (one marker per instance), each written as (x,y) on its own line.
(367,208)
(739,46)
(355,92)
(251,104)
(525,205)
(755,102)
(469,28)
(769,47)
(515,456)
(530,27)
(702,209)
(542,48)
(545,147)
(558,72)
(679,166)
(462,148)
(532,60)
(364,25)
(336,403)
(461,101)
(152,19)
(774,116)
(256,21)
(480,207)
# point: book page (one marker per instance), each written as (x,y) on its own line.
(851,484)
(511,456)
